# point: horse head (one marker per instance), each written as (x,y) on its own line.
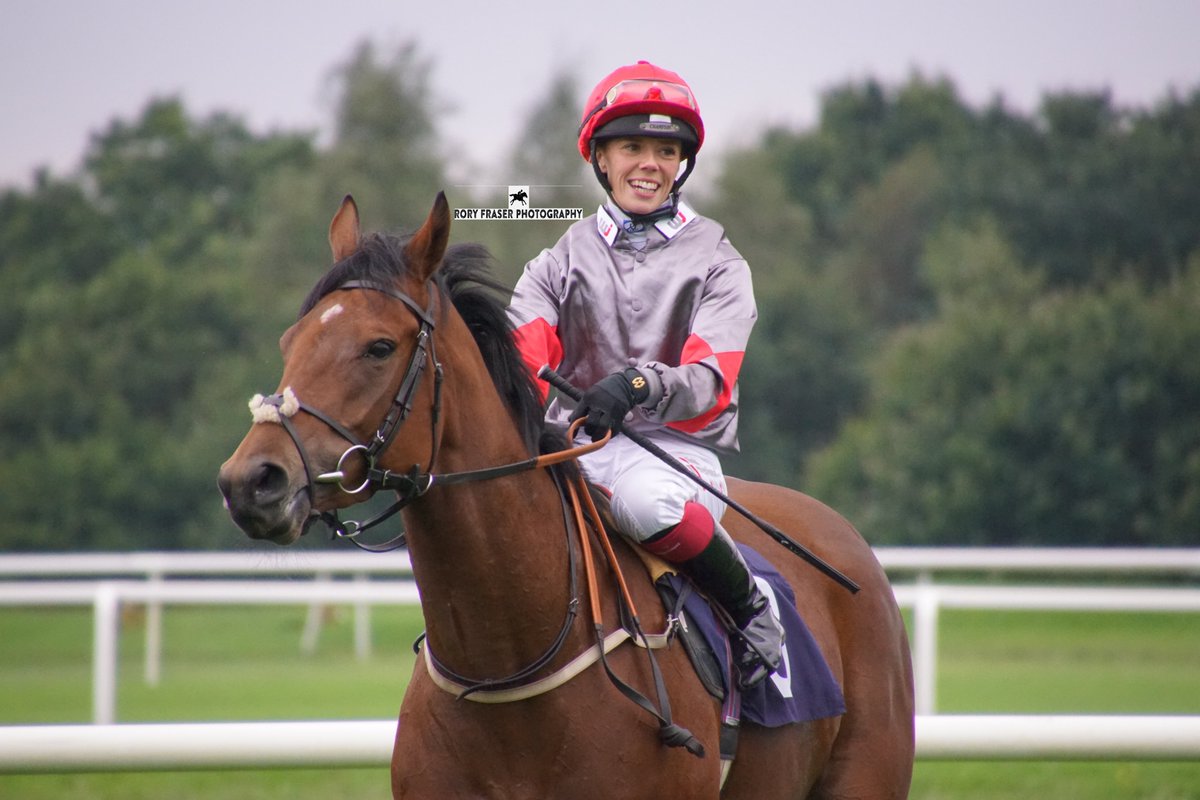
(357,368)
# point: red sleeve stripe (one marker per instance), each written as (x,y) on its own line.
(696,350)
(539,345)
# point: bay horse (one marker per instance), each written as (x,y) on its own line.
(412,332)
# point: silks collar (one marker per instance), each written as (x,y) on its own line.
(608,227)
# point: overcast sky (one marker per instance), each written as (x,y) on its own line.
(68,68)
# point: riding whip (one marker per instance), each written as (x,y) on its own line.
(564,386)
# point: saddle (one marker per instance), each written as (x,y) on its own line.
(800,690)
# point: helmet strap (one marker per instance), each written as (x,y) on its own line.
(600,176)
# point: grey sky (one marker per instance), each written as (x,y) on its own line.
(68,68)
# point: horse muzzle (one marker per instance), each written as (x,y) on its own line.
(264,499)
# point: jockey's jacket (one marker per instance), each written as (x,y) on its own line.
(675,301)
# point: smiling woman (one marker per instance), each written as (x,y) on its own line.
(641,170)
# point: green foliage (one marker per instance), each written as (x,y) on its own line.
(975,325)
(170,182)
(803,372)
(984,287)
(102,416)
(125,309)
(385,150)
(1019,416)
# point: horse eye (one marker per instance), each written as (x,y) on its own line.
(380,348)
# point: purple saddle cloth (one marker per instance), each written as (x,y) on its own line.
(803,688)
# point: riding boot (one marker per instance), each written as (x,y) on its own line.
(718,569)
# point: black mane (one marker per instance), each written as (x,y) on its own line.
(465,276)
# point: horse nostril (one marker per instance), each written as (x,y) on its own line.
(268,483)
(259,484)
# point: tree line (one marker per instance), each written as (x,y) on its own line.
(977,325)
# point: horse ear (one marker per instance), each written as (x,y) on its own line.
(425,250)
(343,230)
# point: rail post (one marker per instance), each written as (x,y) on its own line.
(106,632)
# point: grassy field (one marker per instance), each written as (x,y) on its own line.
(244,664)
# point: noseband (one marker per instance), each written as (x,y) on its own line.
(408,486)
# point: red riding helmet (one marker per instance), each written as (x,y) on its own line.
(633,101)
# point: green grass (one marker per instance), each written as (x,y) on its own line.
(1077,663)
(359,784)
(1032,662)
(1056,781)
(225,663)
(234,663)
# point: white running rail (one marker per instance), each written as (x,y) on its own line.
(159,583)
(368,743)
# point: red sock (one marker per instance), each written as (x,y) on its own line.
(686,540)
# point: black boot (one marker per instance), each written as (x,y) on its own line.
(721,573)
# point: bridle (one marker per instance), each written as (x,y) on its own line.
(408,486)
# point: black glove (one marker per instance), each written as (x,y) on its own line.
(609,399)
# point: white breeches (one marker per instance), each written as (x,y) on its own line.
(647,495)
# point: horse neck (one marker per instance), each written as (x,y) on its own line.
(490,557)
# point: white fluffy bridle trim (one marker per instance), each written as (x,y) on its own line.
(268,412)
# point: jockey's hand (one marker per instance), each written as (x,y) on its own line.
(608,400)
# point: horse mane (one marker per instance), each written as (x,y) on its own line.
(465,276)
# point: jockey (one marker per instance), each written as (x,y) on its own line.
(648,304)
